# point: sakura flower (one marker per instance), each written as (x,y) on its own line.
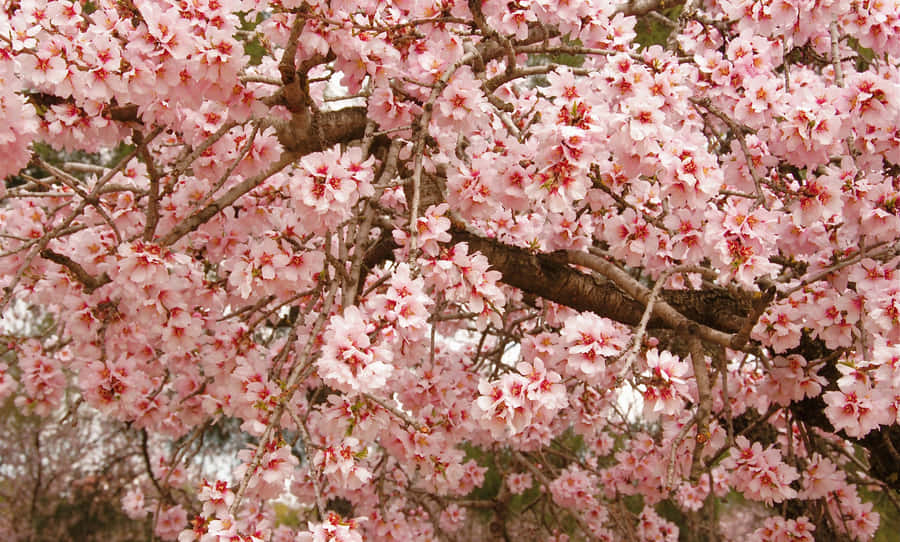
(461,100)
(46,69)
(334,529)
(667,385)
(519,482)
(543,386)
(133,504)
(822,478)
(431,229)
(452,518)
(779,529)
(760,474)
(651,526)
(222,529)
(591,341)
(341,463)
(790,379)
(216,497)
(7,383)
(349,361)
(42,379)
(857,409)
(405,303)
(501,406)
(574,488)
(170,522)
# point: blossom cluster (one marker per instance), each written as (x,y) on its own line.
(408,249)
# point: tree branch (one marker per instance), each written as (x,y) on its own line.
(200,217)
(87,280)
(623,280)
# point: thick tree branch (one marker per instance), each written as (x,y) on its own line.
(550,277)
(304,134)
(633,288)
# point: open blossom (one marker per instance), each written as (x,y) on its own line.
(222,529)
(759,473)
(452,518)
(791,379)
(857,410)
(822,478)
(518,482)
(216,497)
(544,386)
(574,488)
(334,529)
(501,406)
(651,526)
(7,383)
(852,515)
(466,277)
(861,404)
(431,230)
(591,341)
(350,362)
(666,388)
(134,505)
(691,496)
(779,529)
(341,462)
(515,401)
(19,120)
(270,471)
(170,522)
(780,326)
(405,303)
(143,263)
(400,251)
(461,102)
(42,378)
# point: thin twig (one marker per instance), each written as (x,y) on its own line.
(887,253)
(421,132)
(740,132)
(89,282)
(638,337)
(673,451)
(402,416)
(314,473)
(244,151)
(542,478)
(835,56)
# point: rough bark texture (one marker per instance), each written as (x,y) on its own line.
(548,277)
(308,132)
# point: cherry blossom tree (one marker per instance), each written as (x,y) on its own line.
(452,266)
(63,478)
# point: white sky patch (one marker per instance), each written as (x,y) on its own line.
(336,95)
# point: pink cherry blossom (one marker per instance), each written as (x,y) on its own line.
(349,360)
(393,254)
(519,482)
